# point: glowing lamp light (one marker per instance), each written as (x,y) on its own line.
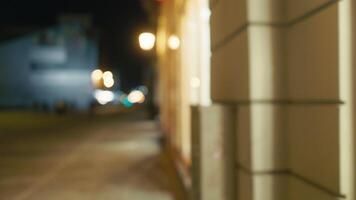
(109,82)
(108,79)
(96,75)
(147,41)
(107,75)
(103,96)
(173,42)
(136,96)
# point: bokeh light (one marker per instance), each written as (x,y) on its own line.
(147,41)
(107,75)
(173,42)
(109,82)
(136,96)
(96,76)
(108,79)
(104,96)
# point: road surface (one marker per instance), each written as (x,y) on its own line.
(82,157)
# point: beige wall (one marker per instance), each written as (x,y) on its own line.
(184,73)
(278,62)
(285,68)
(213,153)
(350,9)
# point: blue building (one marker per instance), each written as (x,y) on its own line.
(49,67)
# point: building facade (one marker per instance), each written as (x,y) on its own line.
(258,100)
(49,66)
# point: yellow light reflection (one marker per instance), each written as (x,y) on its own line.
(195,82)
(173,42)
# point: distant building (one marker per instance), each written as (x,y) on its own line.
(50,66)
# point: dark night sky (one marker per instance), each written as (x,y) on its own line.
(117,23)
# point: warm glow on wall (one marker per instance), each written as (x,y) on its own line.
(195,82)
(173,42)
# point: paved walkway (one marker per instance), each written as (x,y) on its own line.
(103,159)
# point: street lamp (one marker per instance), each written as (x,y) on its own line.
(108,75)
(147,41)
(109,82)
(108,79)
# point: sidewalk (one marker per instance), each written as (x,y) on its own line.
(113,160)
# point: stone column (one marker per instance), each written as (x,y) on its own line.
(247,68)
(213,140)
(278,63)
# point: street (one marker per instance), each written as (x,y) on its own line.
(83,157)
